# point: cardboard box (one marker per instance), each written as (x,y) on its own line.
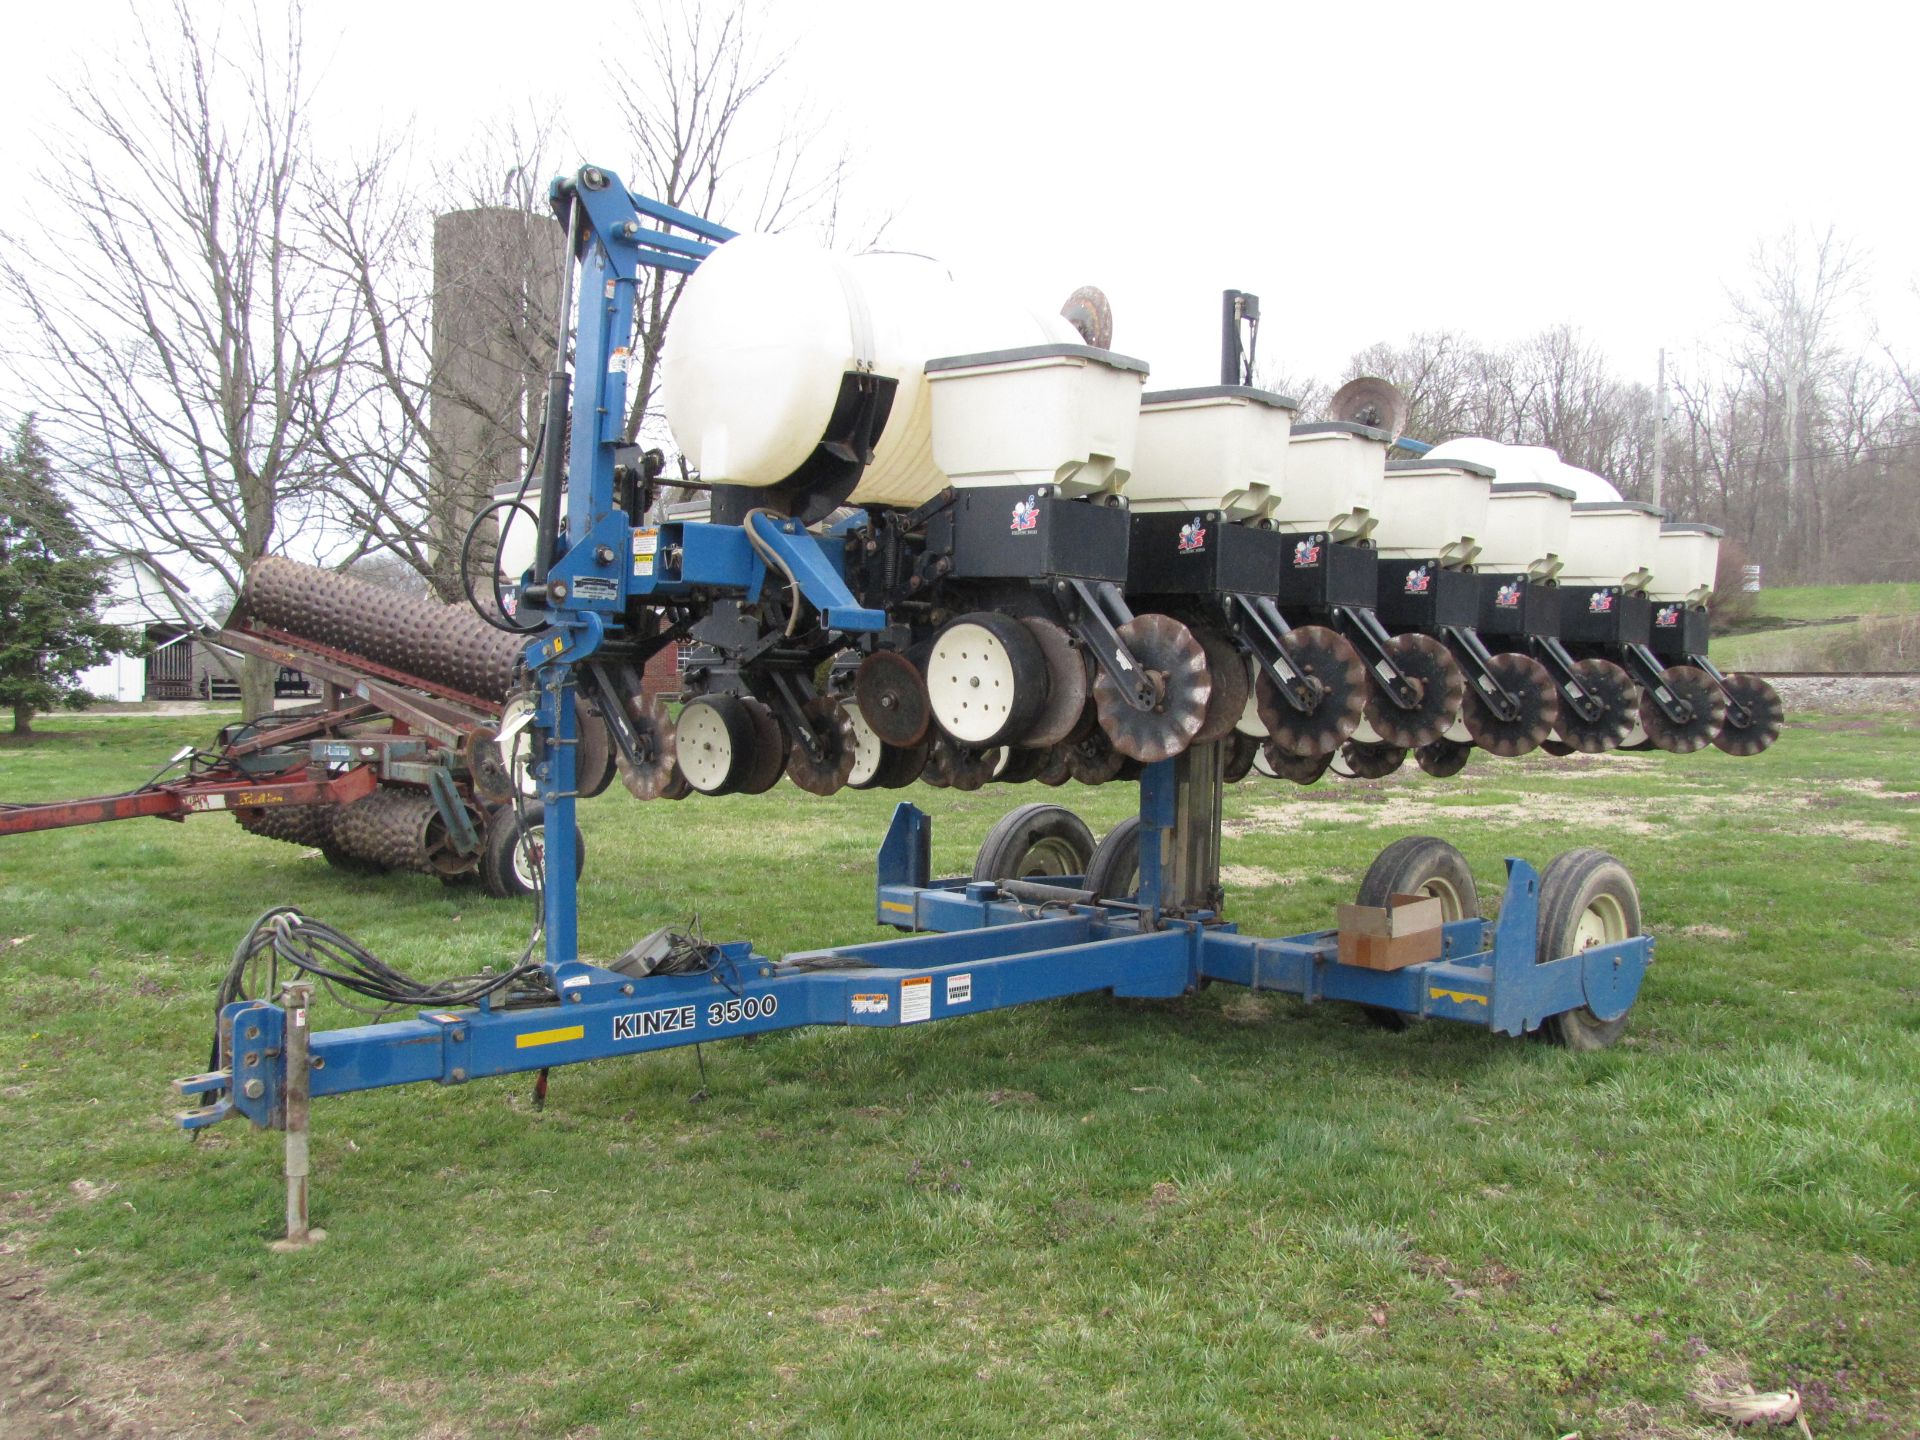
(1406,932)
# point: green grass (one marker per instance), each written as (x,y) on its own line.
(1822,627)
(1222,1216)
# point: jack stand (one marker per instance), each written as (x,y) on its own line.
(297,998)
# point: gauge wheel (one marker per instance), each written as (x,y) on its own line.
(513,850)
(713,741)
(986,679)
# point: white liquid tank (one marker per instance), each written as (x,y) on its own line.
(768,326)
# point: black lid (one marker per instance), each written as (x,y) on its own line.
(1343,427)
(1113,359)
(1618,505)
(1215,392)
(1472,467)
(1531,487)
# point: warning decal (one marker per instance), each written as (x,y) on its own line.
(916,999)
(960,989)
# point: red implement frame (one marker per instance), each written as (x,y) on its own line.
(177,799)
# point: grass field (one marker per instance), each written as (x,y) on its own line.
(1221,1216)
(1819,627)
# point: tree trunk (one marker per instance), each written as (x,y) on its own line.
(256,687)
(22,719)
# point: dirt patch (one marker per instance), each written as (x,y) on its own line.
(59,1376)
(1254,877)
(1710,932)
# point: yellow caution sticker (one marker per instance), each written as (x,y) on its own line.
(1459,997)
(549,1037)
(899,907)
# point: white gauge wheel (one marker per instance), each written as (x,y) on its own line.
(970,681)
(868,750)
(704,748)
(1250,722)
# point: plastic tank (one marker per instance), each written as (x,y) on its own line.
(1611,542)
(1686,561)
(1220,447)
(1061,415)
(1526,528)
(1335,474)
(769,324)
(1434,508)
(1511,464)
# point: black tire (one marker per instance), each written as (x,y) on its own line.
(504,871)
(1418,865)
(593,757)
(1114,871)
(1586,898)
(1035,841)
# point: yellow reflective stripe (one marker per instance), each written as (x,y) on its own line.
(901,906)
(549,1037)
(1459,997)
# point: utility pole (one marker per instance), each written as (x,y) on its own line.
(1660,428)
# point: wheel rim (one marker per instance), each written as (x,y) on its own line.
(970,681)
(1049,856)
(704,748)
(1603,922)
(529,854)
(867,751)
(1452,908)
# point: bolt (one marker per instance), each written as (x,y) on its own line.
(458,1035)
(250,1059)
(253,1032)
(253,1089)
(574,997)
(459,1073)
(626,989)
(603,554)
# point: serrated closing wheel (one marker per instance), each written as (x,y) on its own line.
(1444,757)
(986,679)
(1372,762)
(654,776)
(1237,762)
(767,758)
(1339,677)
(1167,651)
(1708,705)
(892,696)
(1300,769)
(1069,684)
(1764,716)
(1440,686)
(1092,760)
(1232,687)
(827,772)
(713,742)
(1531,686)
(1619,700)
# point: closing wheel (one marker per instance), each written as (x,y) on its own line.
(826,772)
(986,679)
(1709,706)
(892,697)
(1764,716)
(655,775)
(1619,700)
(1372,762)
(963,767)
(1439,686)
(1069,684)
(593,767)
(1093,760)
(1114,871)
(1443,758)
(713,741)
(1017,764)
(513,850)
(1169,654)
(1326,657)
(1285,765)
(767,754)
(1237,759)
(1035,841)
(1418,865)
(1587,898)
(1232,687)
(1530,684)
(1056,766)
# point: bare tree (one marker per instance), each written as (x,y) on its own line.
(182,346)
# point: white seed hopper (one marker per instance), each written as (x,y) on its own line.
(1063,415)
(1434,508)
(1336,472)
(1611,542)
(1526,529)
(1685,562)
(1219,447)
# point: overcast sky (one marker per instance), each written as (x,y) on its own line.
(1368,170)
